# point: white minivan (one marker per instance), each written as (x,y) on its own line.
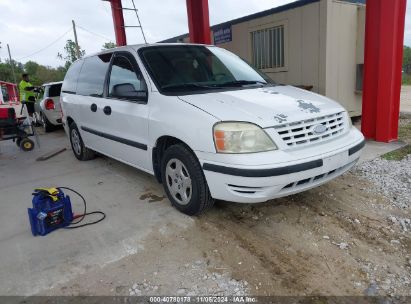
(205,123)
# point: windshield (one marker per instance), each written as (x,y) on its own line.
(187,68)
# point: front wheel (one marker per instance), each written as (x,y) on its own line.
(81,152)
(184,181)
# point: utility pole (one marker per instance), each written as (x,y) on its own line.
(75,40)
(11,64)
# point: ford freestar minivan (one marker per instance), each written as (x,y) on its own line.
(205,123)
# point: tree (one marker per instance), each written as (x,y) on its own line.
(6,73)
(70,53)
(39,74)
(109,45)
(406,63)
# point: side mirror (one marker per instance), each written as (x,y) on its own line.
(127,91)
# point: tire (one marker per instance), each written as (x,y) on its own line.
(47,126)
(26,144)
(184,181)
(81,152)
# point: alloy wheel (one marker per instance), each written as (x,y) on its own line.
(178,181)
(75,141)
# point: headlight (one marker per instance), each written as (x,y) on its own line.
(241,137)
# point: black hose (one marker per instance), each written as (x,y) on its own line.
(84,213)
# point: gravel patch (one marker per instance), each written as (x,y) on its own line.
(403,223)
(391,178)
(197,281)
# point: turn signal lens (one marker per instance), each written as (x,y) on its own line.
(219,139)
(241,137)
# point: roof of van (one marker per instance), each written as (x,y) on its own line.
(136,47)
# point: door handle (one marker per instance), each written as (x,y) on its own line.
(93,107)
(107,110)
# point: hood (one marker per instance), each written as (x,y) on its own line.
(266,107)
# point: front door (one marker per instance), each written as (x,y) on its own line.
(120,119)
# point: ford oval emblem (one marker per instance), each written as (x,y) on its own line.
(319,129)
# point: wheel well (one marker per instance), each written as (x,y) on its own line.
(162,144)
(69,120)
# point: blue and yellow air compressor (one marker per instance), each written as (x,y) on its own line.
(52,210)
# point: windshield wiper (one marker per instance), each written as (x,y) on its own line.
(239,83)
(189,86)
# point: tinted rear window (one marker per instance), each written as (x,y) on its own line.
(54,90)
(70,81)
(92,75)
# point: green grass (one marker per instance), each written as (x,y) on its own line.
(406,79)
(398,154)
(404,133)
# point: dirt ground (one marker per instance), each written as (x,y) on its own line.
(338,239)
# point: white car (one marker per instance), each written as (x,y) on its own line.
(48,109)
(205,124)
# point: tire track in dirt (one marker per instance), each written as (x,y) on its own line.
(310,216)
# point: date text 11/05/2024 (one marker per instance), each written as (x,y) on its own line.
(203,299)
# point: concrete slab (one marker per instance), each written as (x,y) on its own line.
(375,149)
(29,264)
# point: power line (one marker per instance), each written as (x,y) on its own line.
(46,47)
(105,8)
(93,33)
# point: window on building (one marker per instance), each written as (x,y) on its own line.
(359,78)
(268,48)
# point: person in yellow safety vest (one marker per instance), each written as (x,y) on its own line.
(27,95)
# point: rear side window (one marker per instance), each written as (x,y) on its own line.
(92,75)
(54,90)
(70,81)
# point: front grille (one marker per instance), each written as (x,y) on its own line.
(317,178)
(301,132)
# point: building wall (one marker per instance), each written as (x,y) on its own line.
(302,44)
(344,50)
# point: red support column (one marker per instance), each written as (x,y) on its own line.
(198,21)
(118,20)
(384,37)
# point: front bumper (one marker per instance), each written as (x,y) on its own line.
(259,183)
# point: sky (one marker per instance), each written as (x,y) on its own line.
(38,29)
